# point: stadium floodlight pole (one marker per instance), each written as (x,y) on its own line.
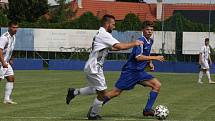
(209,21)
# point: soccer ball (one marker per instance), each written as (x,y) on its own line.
(161,112)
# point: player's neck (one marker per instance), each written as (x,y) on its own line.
(147,39)
(10,33)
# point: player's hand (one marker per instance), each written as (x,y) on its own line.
(160,58)
(11,62)
(152,67)
(138,42)
(5,65)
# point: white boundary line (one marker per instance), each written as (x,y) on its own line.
(110,119)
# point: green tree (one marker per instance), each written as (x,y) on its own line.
(63,12)
(87,21)
(3,18)
(27,10)
(131,22)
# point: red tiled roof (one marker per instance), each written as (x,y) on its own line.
(143,10)
(118,9)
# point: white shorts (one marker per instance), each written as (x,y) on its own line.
(4,72)
(205,65)
(97,81)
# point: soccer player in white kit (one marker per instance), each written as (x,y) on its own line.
(7,42)
(205,62)
(102,43)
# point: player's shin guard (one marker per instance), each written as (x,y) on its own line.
(152,97)
(86,91)
(200,76)
(96,107)
(8,90)
(208,75)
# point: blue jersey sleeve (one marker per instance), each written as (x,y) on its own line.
(138,50)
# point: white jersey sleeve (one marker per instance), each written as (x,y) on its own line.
(3,42)
(109,40)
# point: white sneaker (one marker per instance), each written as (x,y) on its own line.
(9,102)
(200,82)
(211,82)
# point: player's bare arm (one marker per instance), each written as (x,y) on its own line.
(11,60)
(4,64)
(209,58)
(144,58)
(200,58)
(125,46)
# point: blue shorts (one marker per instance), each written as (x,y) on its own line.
(128,79)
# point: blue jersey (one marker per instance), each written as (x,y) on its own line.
(133,71)
(132,63)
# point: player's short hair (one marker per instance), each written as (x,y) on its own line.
(106,18)
(147,24)
(12,23)
(206,39)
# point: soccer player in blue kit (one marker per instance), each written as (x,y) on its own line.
(133,71)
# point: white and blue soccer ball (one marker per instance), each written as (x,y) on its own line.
(161,112)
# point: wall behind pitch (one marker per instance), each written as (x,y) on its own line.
(27,64)
(171,67)
(79,65)
(76,40)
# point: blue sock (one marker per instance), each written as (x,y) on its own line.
(152,97)
(106,99)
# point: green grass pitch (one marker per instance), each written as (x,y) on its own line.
(41,97)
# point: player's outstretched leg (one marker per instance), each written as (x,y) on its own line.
(201,73)
(71,93)
(209,77)
(93,113)
(155,85)
(8,90)
(111,94)
(95,109)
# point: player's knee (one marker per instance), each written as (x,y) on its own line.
(157,86)
(101,95)
(10,78)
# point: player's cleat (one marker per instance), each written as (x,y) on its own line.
(96,117)
(9,102)
(149,113)
(70,95)
(211,82)
(200,82)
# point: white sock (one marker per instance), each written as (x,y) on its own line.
(200,76)
(85,91)
(96,107)
(8,90)
(208,74)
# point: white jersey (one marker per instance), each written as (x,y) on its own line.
(102,42)
(205,51)
(7,43)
